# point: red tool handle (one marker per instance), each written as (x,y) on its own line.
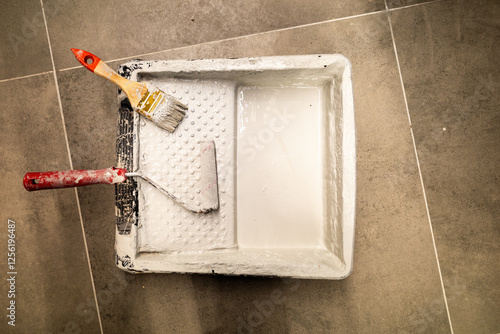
(87,59)
(73,178)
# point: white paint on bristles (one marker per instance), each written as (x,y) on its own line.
(284,134)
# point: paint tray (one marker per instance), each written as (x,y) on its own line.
(284,133)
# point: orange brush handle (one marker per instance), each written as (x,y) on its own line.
(134,90)
(96,65)
(87,59)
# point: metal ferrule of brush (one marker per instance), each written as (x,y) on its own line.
(162,109)
(150,102)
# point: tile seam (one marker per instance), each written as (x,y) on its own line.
(25,76)
(419,169)
(410,6)
(71,165)
(260,33)
(237,37)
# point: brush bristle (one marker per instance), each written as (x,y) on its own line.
(169,113)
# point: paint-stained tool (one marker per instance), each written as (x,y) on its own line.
(207,200)
(163,109)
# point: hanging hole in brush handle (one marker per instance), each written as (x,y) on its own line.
(73,178)
(87,59)
(97,66)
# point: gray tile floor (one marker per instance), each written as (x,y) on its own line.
(426,80)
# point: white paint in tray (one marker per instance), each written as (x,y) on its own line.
(279,196)
(283,128)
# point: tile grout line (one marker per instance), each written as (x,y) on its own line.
(241,36)
(71,165)
(237,37)
(262,33)
(410,6)
(419,169)
(25,76)
(269,31)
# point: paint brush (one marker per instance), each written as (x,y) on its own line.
(207,200)
(163,109)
